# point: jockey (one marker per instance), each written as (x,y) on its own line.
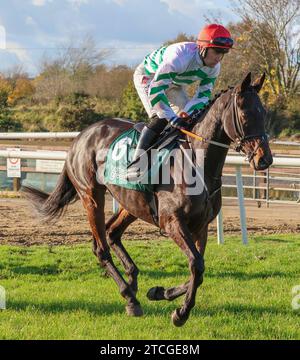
(160,80)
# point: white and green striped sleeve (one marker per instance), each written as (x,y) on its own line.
(163,78)
(203,93)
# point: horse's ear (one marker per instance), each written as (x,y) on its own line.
(258,83)
(246,82)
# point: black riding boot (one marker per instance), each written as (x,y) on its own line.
(147,138)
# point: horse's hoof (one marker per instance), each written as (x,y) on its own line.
(156,293)
(134,310)
(177,320)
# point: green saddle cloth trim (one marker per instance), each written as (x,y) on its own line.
(120,156)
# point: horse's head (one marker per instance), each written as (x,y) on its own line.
(244,123)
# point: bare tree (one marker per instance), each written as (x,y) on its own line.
(69,69)
(273,30)
(77,53)
(53,83)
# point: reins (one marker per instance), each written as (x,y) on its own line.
(240,137)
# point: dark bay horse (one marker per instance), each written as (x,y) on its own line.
(234,116)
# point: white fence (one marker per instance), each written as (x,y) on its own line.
(61,155)
(37,155)
(38,135)
(236,161)
(71,135)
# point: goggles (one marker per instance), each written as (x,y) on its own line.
(220,41)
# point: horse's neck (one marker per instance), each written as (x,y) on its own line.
(211,128)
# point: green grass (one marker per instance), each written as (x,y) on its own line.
(61,293)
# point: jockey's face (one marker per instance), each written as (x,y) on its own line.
(213,57)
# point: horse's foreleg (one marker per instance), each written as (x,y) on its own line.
(183,238)
(95,210)
(172,293)
(115,228)
(200,239)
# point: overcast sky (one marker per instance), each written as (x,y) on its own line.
(133,27)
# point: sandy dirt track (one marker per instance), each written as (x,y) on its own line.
(18,225)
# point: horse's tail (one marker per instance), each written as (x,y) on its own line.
(51,206)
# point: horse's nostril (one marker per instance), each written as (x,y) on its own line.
(261,161)
(263,164)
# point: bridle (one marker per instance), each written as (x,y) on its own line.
(240,138)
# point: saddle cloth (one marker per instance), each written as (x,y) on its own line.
(120,155)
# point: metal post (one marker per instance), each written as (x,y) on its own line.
(256,192)
(220,228)
(265,182)
(254,185)
(268,187)
(16,184)
(240,191)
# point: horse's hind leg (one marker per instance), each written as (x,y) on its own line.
(115,228)
(95,210)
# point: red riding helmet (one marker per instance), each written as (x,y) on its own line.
(215,35)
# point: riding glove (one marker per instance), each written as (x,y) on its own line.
(178,123)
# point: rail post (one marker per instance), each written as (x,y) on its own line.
(220,228)
(254,185)
(268,187)
(240,191)
(16,184)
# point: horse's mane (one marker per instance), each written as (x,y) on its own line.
(212,101)
(210,127)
